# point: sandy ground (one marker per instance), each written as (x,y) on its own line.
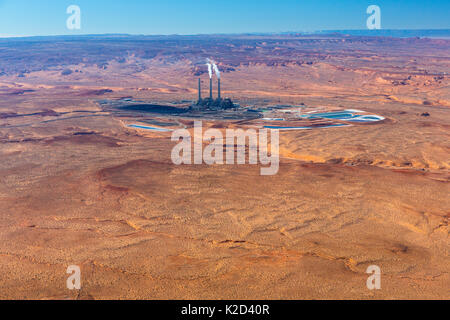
(78,188)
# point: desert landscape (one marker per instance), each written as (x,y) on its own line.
(81,186)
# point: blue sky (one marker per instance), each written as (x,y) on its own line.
(48,17)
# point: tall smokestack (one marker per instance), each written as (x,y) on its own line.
(210,89)
(218,85)
(199,90)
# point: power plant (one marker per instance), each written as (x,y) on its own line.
(211,103)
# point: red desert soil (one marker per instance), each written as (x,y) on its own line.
(79,188)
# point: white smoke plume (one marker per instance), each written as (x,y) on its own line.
(208,63)
(212,65)
(209,69)
(216,70)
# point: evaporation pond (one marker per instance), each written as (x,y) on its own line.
(149,128)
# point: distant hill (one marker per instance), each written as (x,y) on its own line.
(430,33)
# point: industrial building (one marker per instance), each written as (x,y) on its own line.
(210,103)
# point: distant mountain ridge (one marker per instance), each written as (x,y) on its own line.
(395,33)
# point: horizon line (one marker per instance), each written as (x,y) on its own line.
(314,32)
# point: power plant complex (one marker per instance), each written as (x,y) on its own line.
(210,103)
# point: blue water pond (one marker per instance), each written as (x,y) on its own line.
(149,128)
